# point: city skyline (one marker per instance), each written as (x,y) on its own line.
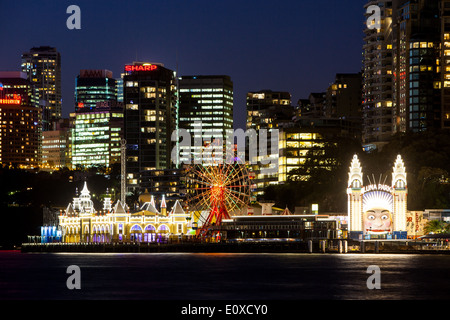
(287,46)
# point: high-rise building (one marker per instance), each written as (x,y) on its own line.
(445,62)
(267,110)
(205,108)
(167,183)
(303,108)
(43,68)
(119,84)
(317,101)
(92,86)
(258,104)
(150,99)
(378,101)
(97,134)
(416,63)
(406,69)
(56,146)
(344,97)
(20,129)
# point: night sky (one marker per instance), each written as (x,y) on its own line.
(289,45)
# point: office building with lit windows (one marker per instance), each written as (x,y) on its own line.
(119,85)
(92,86)
(97,134)
(267,110)
(150,99)
(262,106)
(43,68)
(416,62)
(406,77)
(344,97)
(19,121)
(168,183)
(444,67)
(304,135)
(205,109)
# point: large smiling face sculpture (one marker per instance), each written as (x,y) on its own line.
(377,208)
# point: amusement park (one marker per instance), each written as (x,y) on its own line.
(220,208)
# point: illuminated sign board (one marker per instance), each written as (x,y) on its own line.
(377,187)
(131,68)
(16,99)
(10,101)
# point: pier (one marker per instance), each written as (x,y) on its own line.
(335,246)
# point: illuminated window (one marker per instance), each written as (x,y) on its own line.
(132,107)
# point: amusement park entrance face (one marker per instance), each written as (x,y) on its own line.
(378,221)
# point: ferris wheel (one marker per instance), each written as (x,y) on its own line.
(215,191)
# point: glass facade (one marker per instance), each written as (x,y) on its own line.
(294,148)
(205,108)
(96,135)
(43,68)
(93,86)
(55,149)
(267,110)
(150,100)
(424,86)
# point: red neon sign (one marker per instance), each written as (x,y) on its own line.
(16,99)
(10,101)
(141,68)
(80,105)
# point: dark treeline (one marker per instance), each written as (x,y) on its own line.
(24,194)
(55,189)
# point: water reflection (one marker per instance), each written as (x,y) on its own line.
(224,276)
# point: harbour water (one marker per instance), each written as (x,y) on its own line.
(179,276)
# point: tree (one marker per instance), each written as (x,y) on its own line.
(435,226)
